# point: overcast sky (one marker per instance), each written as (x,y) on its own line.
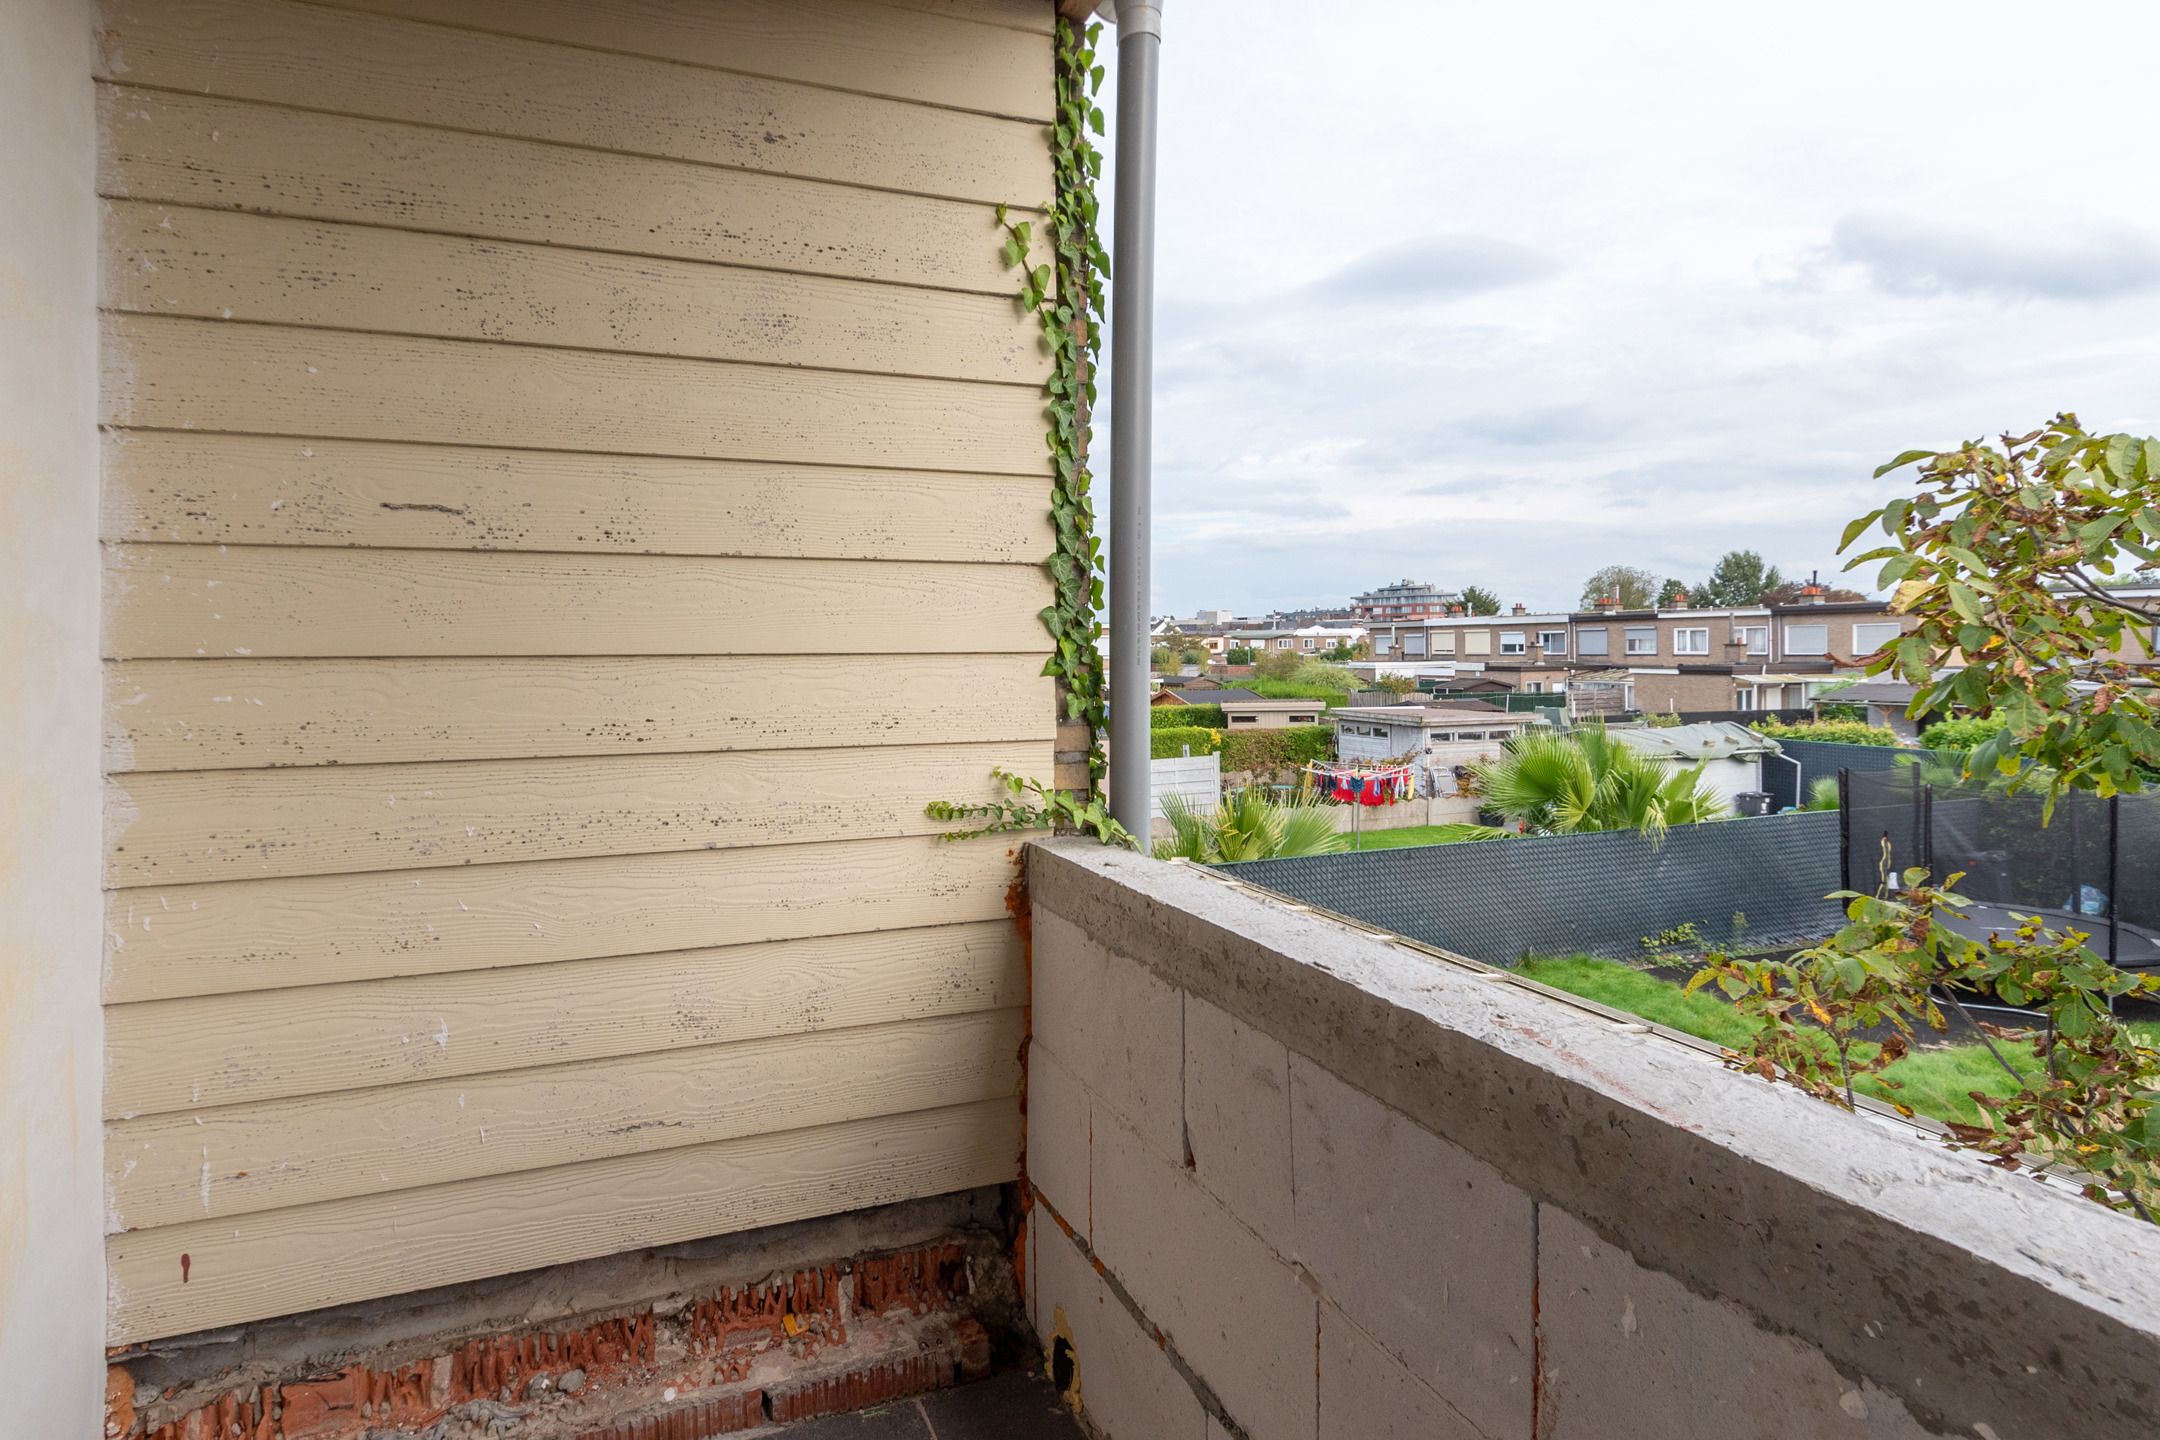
(1500,293)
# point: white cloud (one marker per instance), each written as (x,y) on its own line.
(1499,294)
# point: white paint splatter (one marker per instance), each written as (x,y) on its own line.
(442,1033)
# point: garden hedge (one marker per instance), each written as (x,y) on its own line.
(1285,749)
(1168,742)
(1174,717)
(1835,732)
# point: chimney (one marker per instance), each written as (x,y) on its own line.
(1607,604)
(1520,608)
(1457,610)
(1812,592)
(1679,600)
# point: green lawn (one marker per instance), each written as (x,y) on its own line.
(1937,1080)
(1408,835)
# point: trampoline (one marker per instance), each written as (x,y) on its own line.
(2094,867)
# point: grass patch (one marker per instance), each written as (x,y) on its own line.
(1937,1081)
(1410,835)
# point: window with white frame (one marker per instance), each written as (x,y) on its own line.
(1642,639)
(1413,644)
(1756,638)
(1552,642)
(1592,642)
(1310,642)
(1691,640)
(1380,644)
(1514,642)
(1807,639)
(1283,644)
(1443,642)
(1477,642)
(1871,636)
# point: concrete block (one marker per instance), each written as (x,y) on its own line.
(1059,1118)
(1424,1247)
(1366,1395)
(1118,1027)
(1237,1118)
(1634,1355)
(1129,1390)
(1237,1313)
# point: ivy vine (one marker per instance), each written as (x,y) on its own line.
(1066,298)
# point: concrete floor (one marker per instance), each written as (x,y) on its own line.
(1012,1405)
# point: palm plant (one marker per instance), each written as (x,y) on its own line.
(1584,781)
(1247,826)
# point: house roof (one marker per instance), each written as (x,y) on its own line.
(1872,692)
(1704,740)
(1210,695)
(1426,715)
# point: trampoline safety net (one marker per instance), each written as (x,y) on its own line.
(2095,866)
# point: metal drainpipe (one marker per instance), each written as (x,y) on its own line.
(1132,384)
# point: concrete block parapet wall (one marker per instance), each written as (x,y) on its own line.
(1292,1182)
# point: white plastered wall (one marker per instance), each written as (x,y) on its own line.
(52,1285)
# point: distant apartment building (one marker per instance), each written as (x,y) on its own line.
(1685,660)
(1404,600)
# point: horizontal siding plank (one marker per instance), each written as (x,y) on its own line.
(1037,15)
(178,600)
(180,374)
(388,68)
(220,264)
(860,45)
(177,149)
(184,827)
(281,1262)
(242,1159)
(195,714)
(226,936)
(164,485)
(166,1055)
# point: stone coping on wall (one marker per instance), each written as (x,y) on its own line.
(1989,1303)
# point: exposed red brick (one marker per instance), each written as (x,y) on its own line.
(918,1280)
(119,1401)
(860,1389)
(355,1399)
(483,1369)
(715,1415)
(235,1415)
(765,1314)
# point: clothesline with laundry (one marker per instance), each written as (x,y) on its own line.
(1352,784)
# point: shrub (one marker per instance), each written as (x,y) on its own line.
(1835,732)
(1176,717)
(1238,655)
(1248,825)
(1168,742)
(1966,732)
(1289,748)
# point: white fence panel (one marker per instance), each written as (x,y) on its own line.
(1197,779)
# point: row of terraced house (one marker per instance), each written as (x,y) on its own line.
(1607,659)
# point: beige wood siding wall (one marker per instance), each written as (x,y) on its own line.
(574,491)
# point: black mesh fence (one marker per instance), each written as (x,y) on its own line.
(1805,761)
(2094,866)
(1751,882)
